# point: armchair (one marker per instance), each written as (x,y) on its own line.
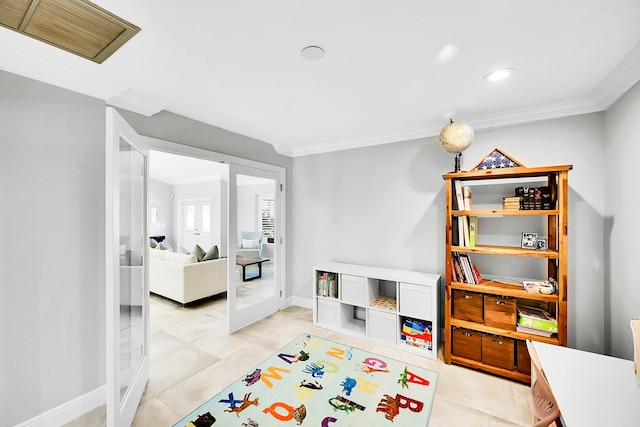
(250,244)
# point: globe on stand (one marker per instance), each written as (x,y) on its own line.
(456,137)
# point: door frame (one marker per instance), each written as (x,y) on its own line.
(185,150)
(116,128)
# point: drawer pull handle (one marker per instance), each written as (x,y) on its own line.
(498,341)
(500,302)
(468,297)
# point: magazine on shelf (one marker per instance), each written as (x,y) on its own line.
(536,318)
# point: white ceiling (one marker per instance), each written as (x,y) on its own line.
(385,77)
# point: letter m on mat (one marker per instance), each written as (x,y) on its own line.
(272,374)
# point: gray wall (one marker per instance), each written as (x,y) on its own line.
(384,206)
(622,207)
(52,223)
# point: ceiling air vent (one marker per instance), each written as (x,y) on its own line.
(77,26)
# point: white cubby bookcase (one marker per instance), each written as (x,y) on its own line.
(407,295)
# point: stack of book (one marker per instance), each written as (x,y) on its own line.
(464,270)
(536,321)
(416,333)
(327,285)
(535,198)
(511,203)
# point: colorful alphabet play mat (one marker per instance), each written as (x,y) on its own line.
(316,382)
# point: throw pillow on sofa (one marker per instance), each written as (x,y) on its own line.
(153,242)
(182,250)
(198,252)
(165,246)
(250,244)
(212,253)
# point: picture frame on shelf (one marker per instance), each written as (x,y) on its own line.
(529,240)
(541,244)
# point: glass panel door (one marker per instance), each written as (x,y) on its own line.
(127,271)
(254,289)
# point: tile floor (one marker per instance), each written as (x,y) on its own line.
(193,358)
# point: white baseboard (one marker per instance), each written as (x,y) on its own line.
(302,302)
(70,410)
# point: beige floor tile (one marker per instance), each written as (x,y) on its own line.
(193,358)
(172,368)
(154,412)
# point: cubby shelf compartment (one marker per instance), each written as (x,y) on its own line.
(415,295)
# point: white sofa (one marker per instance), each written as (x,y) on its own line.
(183,279)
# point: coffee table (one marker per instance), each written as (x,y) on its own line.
(244,261)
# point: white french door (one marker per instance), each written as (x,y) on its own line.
(196,223)
(254,271)
(127,295)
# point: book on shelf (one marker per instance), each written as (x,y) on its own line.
(512,203)
(466,197)
(536,318)
(458,193)
(465,269)
(463,231)
(327,285)
(535,198)
(473,230)
(463,224)
(533,331)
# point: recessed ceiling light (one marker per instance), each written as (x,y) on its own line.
(312,53)
(496,76)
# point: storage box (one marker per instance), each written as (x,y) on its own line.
(382,326)
(353,290)
(523,361)
(498,351)
(467,306)
(500,312)
(328,313)
(467,343)
(416,301)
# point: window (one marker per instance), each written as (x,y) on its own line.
(268,218)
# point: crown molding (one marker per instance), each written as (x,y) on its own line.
(131,101)
(570,108)
(619,81)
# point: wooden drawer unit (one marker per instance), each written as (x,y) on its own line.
(498,351)
(522,358)
(467,306)
(467,344)
(500,312)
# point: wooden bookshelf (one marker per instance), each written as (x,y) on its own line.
(555,257)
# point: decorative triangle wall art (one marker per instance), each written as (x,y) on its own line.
(497,159)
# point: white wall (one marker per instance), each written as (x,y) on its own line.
(160,194)
(52,223)
(210,190)
(248,195)
(384,206)
(622,209)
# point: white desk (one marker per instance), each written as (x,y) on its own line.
(591,389)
